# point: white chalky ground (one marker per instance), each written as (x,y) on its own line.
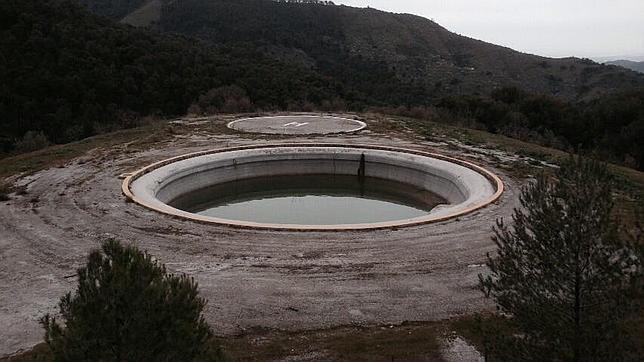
(281,280)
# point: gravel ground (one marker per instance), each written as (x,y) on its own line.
(282,280)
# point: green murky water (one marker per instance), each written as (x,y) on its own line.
(310,200)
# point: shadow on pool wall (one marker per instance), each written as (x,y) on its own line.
(465,186)
(325,199)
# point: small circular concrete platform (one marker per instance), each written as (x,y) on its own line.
(297,125)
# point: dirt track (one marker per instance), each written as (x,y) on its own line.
(284,280)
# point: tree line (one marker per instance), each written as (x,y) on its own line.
(66,74)
(611,127)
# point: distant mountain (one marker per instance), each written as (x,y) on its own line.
(605,59)
(629,64)
(374,51)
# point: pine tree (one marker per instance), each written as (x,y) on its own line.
(127,308)
(562,273)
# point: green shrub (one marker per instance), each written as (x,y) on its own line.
(5,190)
(564,273)
(32,141)
(127,308)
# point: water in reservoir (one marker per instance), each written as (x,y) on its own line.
(310,200)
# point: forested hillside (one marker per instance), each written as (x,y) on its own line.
(69,75)
(66,74)
(363,47)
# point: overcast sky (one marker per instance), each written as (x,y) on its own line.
(556,28)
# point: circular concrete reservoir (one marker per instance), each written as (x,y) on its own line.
(297,125)
(313,187)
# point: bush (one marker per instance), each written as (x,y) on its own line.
(5,190)
(564,273)
(32,141)
(227,99)
(127,308)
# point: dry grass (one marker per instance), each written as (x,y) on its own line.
(40,353)
(54,156)
(407,342)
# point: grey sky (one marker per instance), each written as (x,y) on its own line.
(585,28)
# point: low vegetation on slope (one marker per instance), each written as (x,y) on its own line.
(611,127)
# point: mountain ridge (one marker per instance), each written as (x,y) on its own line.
(416,51)
(629,64)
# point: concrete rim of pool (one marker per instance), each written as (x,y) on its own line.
(467,186)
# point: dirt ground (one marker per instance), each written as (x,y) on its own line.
(288,281)
(426,341)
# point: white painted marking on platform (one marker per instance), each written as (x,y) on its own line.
(296,124)
(264,125)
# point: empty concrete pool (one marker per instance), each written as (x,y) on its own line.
(313,187)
